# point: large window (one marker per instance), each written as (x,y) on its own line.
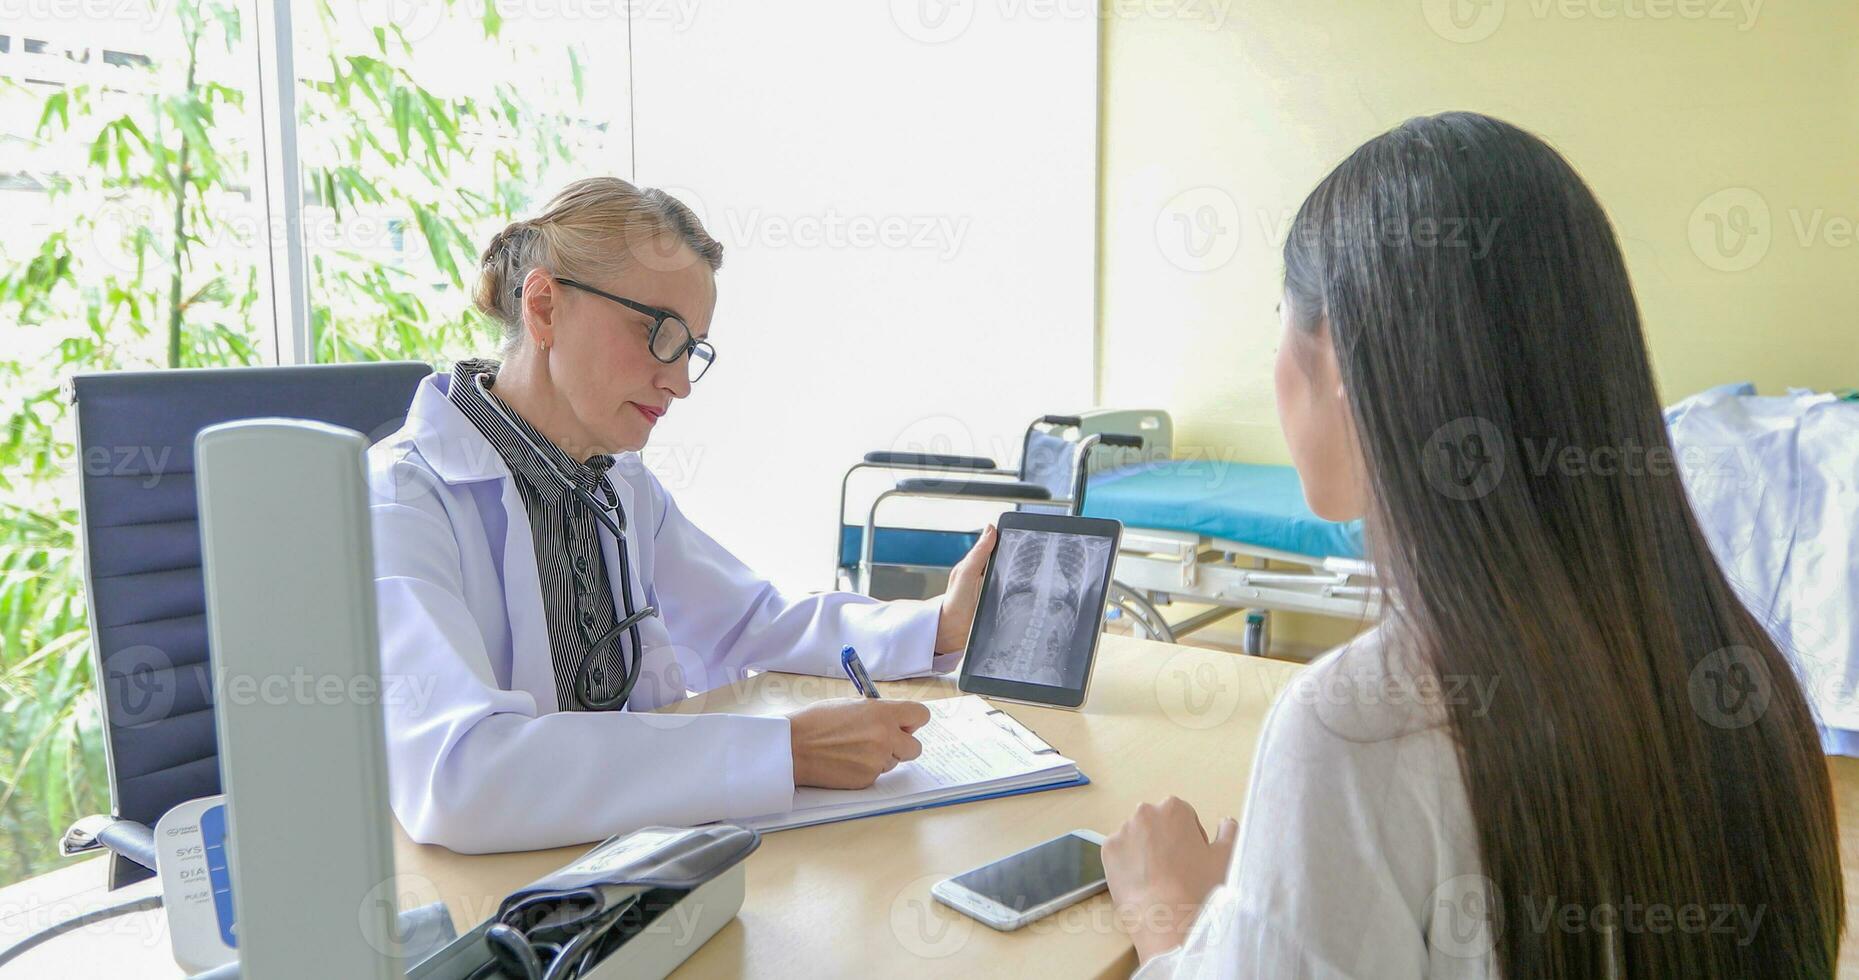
(128,239)
(138,230)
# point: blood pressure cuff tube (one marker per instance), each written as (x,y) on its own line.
(624,867)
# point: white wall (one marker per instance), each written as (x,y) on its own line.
(908,213)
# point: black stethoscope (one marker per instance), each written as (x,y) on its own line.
(574,940)
(613,517)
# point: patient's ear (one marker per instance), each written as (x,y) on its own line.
(1320,353)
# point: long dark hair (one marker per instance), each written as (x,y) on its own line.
(1528,516)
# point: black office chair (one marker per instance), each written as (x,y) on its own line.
(142,567)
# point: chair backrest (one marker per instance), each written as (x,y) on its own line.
(141,543)
(1048,454)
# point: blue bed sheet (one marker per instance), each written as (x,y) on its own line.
(1250,503)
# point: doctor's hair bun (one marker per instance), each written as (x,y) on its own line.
(501,270)
(594,227)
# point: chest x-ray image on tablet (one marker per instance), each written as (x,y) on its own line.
(1042,604)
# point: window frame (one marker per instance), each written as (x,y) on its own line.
(285,274)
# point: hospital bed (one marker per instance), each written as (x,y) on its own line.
(1226,535)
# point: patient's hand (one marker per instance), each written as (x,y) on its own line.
(958,603)
(1161,867)
(847,743)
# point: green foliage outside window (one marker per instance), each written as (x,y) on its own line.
(147,255)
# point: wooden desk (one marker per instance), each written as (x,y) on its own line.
(852,899)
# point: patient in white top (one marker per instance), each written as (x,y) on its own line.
(1570,751)
(1358,835)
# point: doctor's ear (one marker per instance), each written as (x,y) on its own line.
(539,297)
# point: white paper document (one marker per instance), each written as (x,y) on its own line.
(970,749)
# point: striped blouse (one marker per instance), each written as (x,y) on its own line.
(577,600)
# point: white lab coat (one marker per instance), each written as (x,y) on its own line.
(480,760)
(1774,482)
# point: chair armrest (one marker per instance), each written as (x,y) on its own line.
(937,461)
(943,487)
(127,838)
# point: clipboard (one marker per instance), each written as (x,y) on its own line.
(972,751)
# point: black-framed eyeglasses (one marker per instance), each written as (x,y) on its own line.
(666,345)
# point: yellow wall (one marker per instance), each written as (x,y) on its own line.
(1236,121)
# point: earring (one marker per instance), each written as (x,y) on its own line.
(542,347)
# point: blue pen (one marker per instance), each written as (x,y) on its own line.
(855,669)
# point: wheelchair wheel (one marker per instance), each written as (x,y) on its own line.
(1125,603)
(1258,632)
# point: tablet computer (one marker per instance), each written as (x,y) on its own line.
(1041,609)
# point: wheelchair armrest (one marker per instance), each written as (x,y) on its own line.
(938,461)
(127,838)
(943,487)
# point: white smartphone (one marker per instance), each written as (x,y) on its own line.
(1032,884)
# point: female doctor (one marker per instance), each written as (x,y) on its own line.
(545,591)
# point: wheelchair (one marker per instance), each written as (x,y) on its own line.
(1058,454)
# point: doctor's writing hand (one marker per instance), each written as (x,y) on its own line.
(958,603)
(1161,867)
(847,743)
